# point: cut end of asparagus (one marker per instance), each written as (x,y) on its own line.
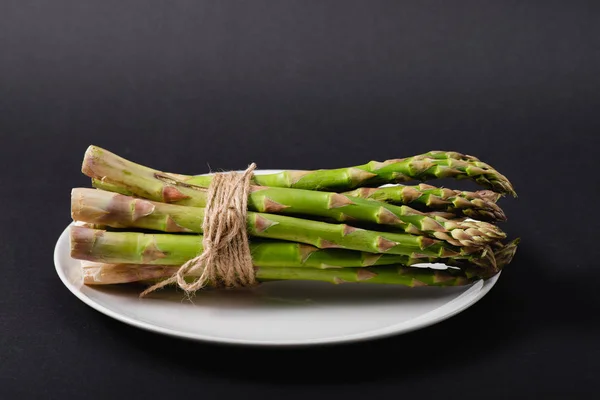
(90,159)
(82,242)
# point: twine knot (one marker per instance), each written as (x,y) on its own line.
(226,260)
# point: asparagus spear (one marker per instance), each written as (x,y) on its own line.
(170,249)
(118,211)
(104,274)
(111,187)
(95,273)
(155,185)
(432,165)
(424,167)
(478,205)
(331,206)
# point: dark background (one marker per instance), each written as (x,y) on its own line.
(184,85)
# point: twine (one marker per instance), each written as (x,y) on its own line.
(226,260)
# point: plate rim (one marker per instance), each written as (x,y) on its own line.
(422,321)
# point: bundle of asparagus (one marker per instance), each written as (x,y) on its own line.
(137,224)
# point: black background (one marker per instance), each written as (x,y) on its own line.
(190,85)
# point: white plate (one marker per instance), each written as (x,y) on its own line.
(275,313)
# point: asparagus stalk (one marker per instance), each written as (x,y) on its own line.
(170,249)
(95,273)
(432,165)
(424,167)
(104,274)
(118,211)
(155,185)
(111,187)
(322,202)
(480,205)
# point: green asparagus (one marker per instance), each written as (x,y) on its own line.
(480,205)
(330,225)
(105,274)
(95,273)
(150,184)
(425,167)
(170,249)
(432,165)
(119,211)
